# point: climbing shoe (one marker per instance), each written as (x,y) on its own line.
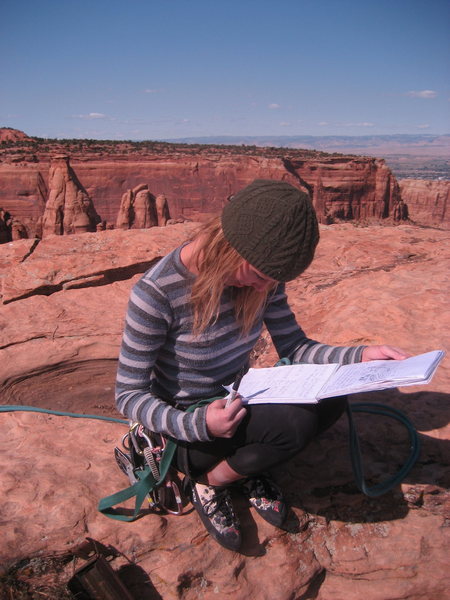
(215,509)
(267,498)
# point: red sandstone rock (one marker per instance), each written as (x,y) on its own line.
(77,261)
(59,351)
(197,186)
(11,229)
(69,209)
(428,201)
(349,188)
(137,209)
(162,210)
(24,190)
(124,217)
(8,134)
(12,254)
(18,230)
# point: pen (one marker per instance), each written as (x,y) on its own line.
(236,384)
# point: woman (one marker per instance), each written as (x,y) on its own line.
(191,324)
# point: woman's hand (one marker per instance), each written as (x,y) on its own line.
(383,353)
(221,421)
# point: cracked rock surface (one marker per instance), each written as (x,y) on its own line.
(60,329)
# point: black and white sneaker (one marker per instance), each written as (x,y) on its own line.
(267,498)
(215,509)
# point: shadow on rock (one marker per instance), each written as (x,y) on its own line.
(251,544)
(99,575)
(320,480)
(138,583)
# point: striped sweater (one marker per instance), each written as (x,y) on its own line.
(163,368)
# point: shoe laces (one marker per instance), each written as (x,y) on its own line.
(261,488)
(220,502)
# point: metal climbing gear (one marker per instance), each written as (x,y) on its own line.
(143,450)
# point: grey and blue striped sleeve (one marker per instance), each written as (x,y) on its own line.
(290,340)
(147,322)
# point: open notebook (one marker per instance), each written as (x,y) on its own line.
(304,383)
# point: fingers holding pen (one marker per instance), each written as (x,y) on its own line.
(236,408)
(239,411)
(222,420)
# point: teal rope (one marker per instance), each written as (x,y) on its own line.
(60,413)
(355,452)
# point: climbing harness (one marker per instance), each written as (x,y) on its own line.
(146,462)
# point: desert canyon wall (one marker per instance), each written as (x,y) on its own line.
(127,191)
(194,181)
(428,200)
(197,187)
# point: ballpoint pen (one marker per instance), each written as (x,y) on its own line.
(236,384)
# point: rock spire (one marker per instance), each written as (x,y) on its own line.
(69,209)
(140,209)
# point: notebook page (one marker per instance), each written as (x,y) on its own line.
(377,374)
(288,384)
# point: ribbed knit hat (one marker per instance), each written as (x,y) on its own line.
(272,224)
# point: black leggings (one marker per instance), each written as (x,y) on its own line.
(267,436)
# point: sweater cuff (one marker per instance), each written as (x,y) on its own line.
(200,424)
(358,353)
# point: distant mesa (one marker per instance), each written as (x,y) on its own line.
(372,145)
(8,134)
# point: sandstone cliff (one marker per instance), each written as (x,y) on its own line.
(348,188)
(197,182)
(198,187)
(60,331)
(428,201)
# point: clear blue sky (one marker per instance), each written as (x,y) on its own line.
(156,69)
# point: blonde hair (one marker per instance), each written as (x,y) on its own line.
(217,262)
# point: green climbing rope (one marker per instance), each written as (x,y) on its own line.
(355,451)
(60,413)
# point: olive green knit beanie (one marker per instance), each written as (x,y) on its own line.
(273,225)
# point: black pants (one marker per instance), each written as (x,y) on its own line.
(268,435)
